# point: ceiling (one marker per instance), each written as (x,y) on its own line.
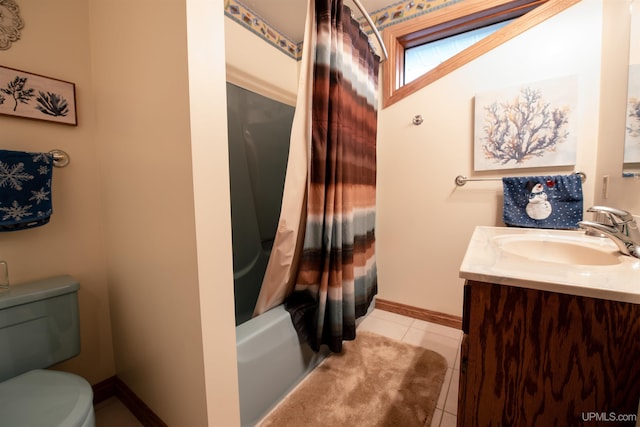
(288,16)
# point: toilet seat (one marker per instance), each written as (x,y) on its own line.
(46,398)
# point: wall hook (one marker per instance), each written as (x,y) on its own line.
(417,120)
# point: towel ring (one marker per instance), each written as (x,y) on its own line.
(60,158)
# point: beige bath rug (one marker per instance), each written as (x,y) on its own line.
(376,381)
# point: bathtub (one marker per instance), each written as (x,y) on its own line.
(271,361)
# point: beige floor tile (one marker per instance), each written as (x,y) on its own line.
(113,413)
(423,325)
(444,330)
(448,420)
(451,404)
(445,389)
(384,327)
(393,317)
(437,416)
(446,346)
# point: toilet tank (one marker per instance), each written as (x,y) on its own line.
(39,325)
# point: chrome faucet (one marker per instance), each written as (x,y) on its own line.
(622,228)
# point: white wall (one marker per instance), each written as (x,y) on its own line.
(424,220)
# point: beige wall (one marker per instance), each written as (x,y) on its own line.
(143,143)
(158,75)
(424,220)
(151,108)
(212,208)
(54,43)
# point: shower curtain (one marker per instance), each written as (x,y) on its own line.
(333,272)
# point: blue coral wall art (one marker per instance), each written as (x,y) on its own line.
(531,125)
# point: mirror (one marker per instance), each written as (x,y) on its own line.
(631,165)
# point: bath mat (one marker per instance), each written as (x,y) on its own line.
(376,381)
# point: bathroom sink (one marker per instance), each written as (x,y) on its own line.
(573,249)
(563,261)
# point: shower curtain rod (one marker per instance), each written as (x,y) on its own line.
(366,16)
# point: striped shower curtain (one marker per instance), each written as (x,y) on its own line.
(336,279)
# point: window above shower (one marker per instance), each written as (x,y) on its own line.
(420,59)
(426,48)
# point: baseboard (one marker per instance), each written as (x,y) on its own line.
(420,313)
(114,386)
(104,390)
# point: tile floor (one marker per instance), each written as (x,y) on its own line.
(441,339)
(113,413)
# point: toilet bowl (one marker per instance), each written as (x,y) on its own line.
(46,398)
(39,327)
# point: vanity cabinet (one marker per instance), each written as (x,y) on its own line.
(539,358)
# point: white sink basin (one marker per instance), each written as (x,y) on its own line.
(561,249)
(565,261)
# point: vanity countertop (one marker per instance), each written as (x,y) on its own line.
(486,260)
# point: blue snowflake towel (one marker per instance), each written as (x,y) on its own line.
(543,201)
(25,189)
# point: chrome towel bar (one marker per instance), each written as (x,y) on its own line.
(462,180)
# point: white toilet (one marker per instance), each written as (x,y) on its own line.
(39,327)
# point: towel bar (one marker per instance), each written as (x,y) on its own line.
(60,158)
(462,180)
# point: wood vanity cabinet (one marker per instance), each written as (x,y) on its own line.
(539,358)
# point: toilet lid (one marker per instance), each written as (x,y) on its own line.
(45,398)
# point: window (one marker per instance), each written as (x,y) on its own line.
(420,59)
(400,80)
